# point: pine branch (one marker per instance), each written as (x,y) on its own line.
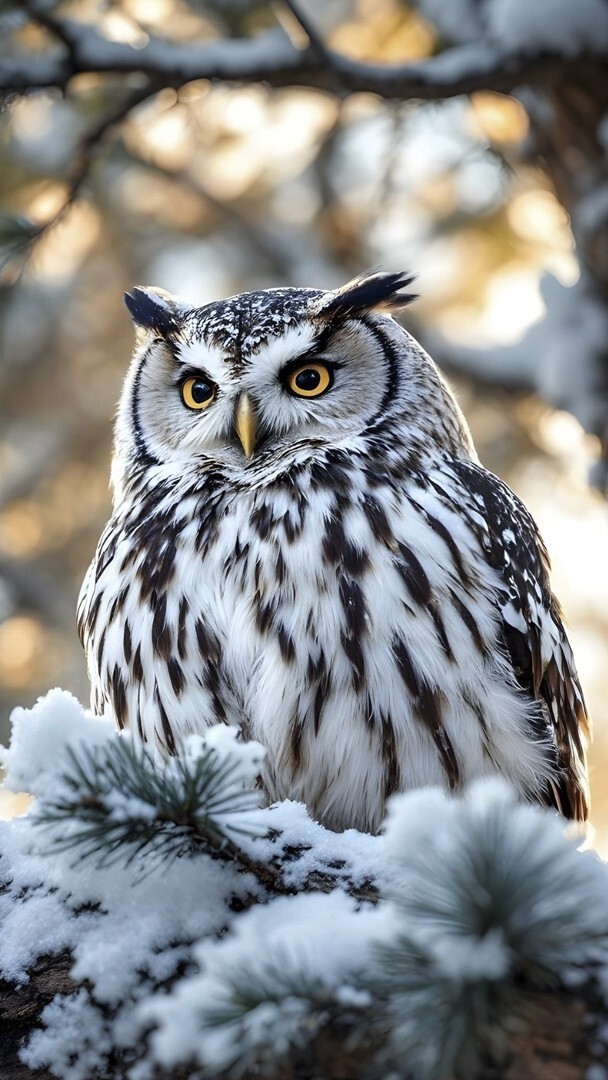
(116,802)
(284,1019)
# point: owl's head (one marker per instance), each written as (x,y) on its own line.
(259,381)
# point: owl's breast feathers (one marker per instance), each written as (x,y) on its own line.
(374,634)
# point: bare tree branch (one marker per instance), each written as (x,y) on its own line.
(267,244)
(307,29)
(89,145)
(75,179)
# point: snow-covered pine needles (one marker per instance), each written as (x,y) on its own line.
(121,801)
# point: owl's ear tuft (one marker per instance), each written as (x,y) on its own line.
(374,290)
(153,309)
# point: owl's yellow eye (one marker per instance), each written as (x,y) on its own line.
(198,392)
(309,380)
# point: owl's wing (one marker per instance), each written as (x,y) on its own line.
(532,629)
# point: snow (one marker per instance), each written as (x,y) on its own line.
(40,737)
(596,1072)
(283,949)
(459,21)
(559,26)
(470,892)
(305,848)
(566,27)
(568,347)
(71,1020)
(232,57)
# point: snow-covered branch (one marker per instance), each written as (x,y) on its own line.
(272,58)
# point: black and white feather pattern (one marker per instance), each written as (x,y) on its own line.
(359,594)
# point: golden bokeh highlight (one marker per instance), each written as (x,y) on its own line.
(498,118)
(385,30)
(22,647)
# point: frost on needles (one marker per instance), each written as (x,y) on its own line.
(210,936)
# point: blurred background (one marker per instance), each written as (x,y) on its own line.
(499,202)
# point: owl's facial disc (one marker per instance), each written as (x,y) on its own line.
(282,398)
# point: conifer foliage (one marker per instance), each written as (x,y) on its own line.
(210,936)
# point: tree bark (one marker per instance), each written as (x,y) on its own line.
(20,1010)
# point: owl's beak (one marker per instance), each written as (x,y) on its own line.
(246,423)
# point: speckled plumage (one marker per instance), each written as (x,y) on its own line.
(359,594)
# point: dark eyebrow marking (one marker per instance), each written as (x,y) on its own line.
(392,382)
(187,371)
(309,357)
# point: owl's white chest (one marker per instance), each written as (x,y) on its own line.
(312,623)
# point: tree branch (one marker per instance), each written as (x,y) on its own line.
(300,28)
(88,147)
(272,58)
(75,179)
(271,246)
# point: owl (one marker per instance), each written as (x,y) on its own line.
(304,544)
